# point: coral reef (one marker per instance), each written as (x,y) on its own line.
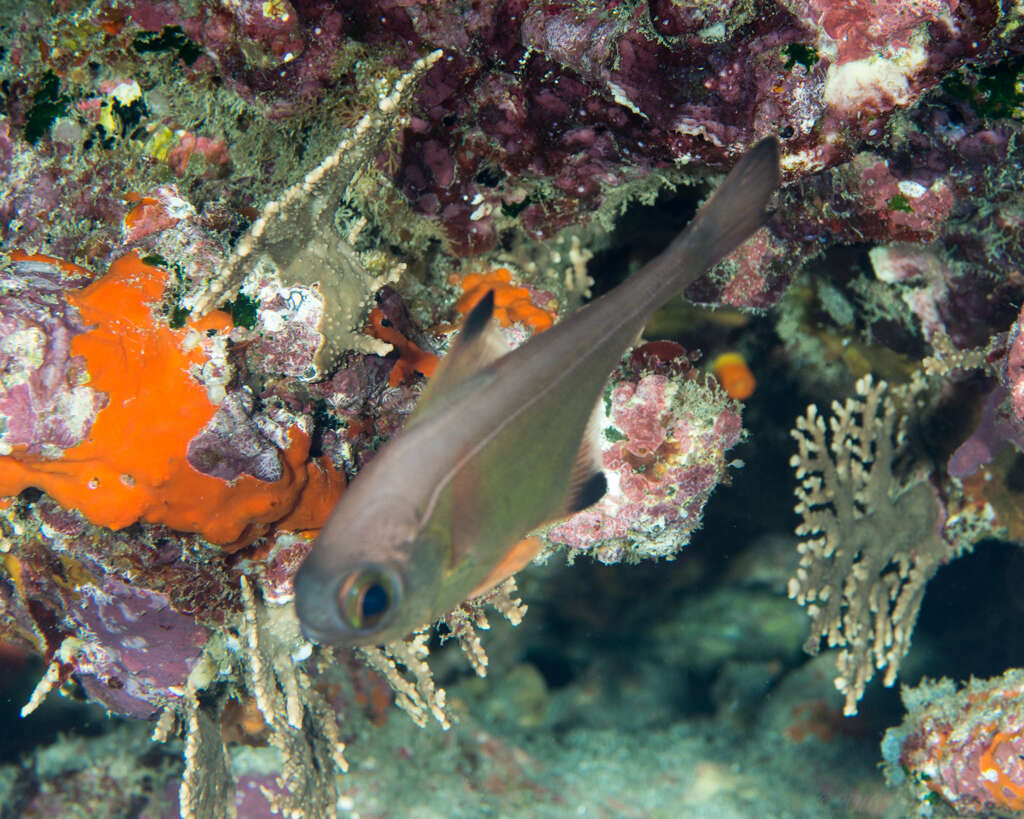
(302,726)
(89,373)
(126,612)
(663,441)
(299,235)
(273,215)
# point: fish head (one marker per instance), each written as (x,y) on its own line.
(369,578)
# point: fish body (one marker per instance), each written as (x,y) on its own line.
(500,444)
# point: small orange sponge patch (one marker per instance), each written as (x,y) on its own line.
(132,465)
(411,358)
(511,302)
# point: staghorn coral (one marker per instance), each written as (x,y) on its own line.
(403,663)
(873,540)
(468,619)
(302,726)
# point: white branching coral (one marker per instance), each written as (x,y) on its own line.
(298,233)
(873,540)
(259,661)
(470,618)
(303,727)
(403,663)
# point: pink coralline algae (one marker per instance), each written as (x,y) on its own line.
(1013,373)
(663,450)
(861,28)
(755,275)
(966,746)
(907,209)
(213,151)
(289,335)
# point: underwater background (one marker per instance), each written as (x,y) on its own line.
(237,239)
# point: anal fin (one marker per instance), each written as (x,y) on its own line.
(518,557)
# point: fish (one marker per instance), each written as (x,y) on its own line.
(499,444)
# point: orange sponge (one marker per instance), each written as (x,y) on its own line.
(132,465)
(511,302)
(411,356)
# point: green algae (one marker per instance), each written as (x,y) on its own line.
(48,103)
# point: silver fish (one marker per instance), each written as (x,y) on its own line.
(500,443)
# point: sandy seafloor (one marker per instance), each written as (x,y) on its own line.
(662,690)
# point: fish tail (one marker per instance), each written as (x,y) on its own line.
(726,220)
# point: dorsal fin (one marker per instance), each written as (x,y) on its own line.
(479,343)
(478,319)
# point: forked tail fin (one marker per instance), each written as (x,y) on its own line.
(726,220)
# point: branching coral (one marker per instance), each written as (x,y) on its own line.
(260,661)
(403,663)
(873,541)
(468,619)
(298,233)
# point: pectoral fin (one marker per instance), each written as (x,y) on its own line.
(589,492)
(486,501)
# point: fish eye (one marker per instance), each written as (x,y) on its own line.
(367,597)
